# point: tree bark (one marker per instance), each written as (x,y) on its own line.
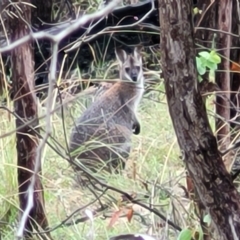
(224,10)
(26,109)
(235,57)
(188,113)
(204,20)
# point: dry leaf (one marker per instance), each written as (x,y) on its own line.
(114,218)
(130,214)
(235,67)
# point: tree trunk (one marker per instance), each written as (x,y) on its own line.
(188,113)
(224,10)
(203,37)
(26,109)
(235,57)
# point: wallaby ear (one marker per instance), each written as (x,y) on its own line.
(137,53)
(121,55)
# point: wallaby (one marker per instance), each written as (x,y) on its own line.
(99,90)
(103,132)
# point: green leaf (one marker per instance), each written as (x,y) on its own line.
(199,78)
(200,66)
(185,234)
(215,57)
(207,219)
(205,54)
(195,10)
(203,61)
(212,66)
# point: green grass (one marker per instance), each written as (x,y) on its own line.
(8,174)
(154,169)
(155,153)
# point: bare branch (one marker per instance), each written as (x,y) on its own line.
(58,37)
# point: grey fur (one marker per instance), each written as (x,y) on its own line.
(102,135)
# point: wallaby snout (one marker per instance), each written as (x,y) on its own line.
(134,74)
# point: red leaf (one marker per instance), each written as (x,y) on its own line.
(235,67)
(130,214)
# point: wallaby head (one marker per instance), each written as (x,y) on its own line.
(130,66)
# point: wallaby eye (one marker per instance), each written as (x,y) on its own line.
(138,68)
(127,69)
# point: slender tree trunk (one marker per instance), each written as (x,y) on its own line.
(187,110)
(235,85)
(203,37)
(235,57)
(26,109)
(224,10)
